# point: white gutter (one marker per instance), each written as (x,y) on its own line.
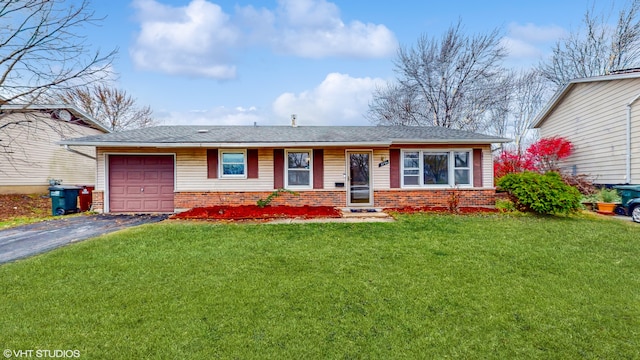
(66,147)
(628,155)
(278,144)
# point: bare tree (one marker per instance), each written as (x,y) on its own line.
(395,104)
(598,49)
(530,94)
(42,51)
(519,106)
(450,82)
(114,108)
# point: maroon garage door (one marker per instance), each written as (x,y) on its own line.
(140,183)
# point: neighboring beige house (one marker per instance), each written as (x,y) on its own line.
(30,155)
(173,168)
(601,117)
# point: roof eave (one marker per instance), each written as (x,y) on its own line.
(221,144)
(451,141)
(279,144)
(562,92)
(74,109)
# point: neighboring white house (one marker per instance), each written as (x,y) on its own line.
(30,155)
(601,117)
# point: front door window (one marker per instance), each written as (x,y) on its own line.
(359,178)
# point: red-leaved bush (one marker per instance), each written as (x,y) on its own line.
(509,162)
(541,156)
(546,152)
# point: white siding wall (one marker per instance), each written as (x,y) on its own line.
(381,174)
(36,158)
(593,117)
(192,173)
(334,168)
(487,168)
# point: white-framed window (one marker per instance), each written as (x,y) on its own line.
(298,169)
(233,164)
(437,168)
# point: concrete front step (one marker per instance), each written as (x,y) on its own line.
(363,213)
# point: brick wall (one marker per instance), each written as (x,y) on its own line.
(187,200)
(465,197)
(97,201)
(382,198)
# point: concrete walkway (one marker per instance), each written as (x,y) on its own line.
(28,240)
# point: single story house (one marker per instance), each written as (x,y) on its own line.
(174,168)
(601,116)
(30,155)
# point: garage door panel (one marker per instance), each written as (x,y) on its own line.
(141,183)
(136,176)
(134,205)
(151,176)
(117,204)
(118,190)
(166,190)
(135,161)
(132,190)
(118,175)
(151,190)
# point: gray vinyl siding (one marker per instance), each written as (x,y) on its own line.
(593,117)
(36,157)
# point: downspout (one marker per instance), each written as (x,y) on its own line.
(66,147)
(628,156)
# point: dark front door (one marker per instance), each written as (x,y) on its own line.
(359,192)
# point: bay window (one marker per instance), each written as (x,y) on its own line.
(426,168)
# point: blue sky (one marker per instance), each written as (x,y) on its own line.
(239,62)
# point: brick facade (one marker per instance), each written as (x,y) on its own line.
(382,198)
(97,201)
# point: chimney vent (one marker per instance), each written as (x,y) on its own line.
(293,120)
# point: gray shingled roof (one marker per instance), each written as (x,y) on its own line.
(169,136)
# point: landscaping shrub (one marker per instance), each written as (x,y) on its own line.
(542,156)
(505,205)
(541,193)
(509,162)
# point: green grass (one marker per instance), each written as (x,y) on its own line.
(38,216)
(20,220)
(485,287)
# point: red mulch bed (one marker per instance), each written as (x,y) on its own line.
(250,212)
(443,209)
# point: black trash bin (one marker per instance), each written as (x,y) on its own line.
(64,199)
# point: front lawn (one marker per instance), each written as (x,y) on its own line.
(428,286)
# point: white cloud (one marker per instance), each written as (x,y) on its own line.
(338,100)
(216,116)
(518,48)
(200,39)
(530,41)
(313,28)
(535,33)
(191,40)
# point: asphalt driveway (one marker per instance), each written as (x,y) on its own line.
(28,240)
